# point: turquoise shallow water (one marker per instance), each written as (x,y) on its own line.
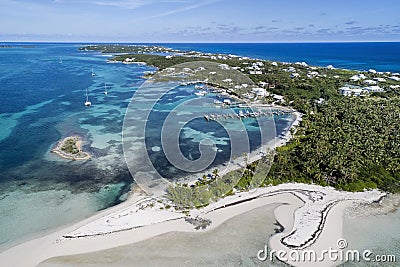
(43,91)
(377,233)
(42,101)
(233,243)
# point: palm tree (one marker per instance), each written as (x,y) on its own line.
(245,158)
(215,173)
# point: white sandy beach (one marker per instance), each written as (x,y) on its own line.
(311,216)
(130,222)
(255,155)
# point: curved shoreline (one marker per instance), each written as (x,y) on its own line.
(80,155)
(141,218)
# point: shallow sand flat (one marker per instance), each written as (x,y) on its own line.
(49,246)
(331,233)
(375,229)
(34,209)
(301,215)
(234,242)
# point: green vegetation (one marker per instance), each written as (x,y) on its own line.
(158,61)
(348,143)
(205,191)
(70,146)
(279,81)
(351,143)
(200,195)
(115,48)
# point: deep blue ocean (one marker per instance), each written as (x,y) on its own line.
(383,56)
(43,86)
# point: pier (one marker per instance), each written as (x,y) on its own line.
(243,114)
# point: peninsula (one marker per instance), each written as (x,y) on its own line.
(345,138)
(348,137)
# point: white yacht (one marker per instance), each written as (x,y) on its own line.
(200,93)
(87,103)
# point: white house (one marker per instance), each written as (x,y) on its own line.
(379,79)
(395,78)
(227,101)
(357,91)
(354,78)
(373,89)
(312,74)
(260,92)
(248,96)
(255,72)
(301,64)
(279,98)
(347,91)
(370,82)
(224,66)
(358,77)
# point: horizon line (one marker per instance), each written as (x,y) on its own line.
(200,42)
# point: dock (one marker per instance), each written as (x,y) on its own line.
(243,114)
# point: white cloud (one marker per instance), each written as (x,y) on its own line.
(185,8)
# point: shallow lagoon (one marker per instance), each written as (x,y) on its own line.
(42,102)
(233,243)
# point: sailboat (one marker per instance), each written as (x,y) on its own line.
(60,61)
(93,74)
(105,89)
(87,103)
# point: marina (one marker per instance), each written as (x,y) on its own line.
(244,113)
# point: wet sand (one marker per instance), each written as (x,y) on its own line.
(375,228)
(233,243)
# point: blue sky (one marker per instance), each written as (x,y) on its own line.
(199,20)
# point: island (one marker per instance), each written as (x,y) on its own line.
(70,148)
(348,136)
(341,151)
